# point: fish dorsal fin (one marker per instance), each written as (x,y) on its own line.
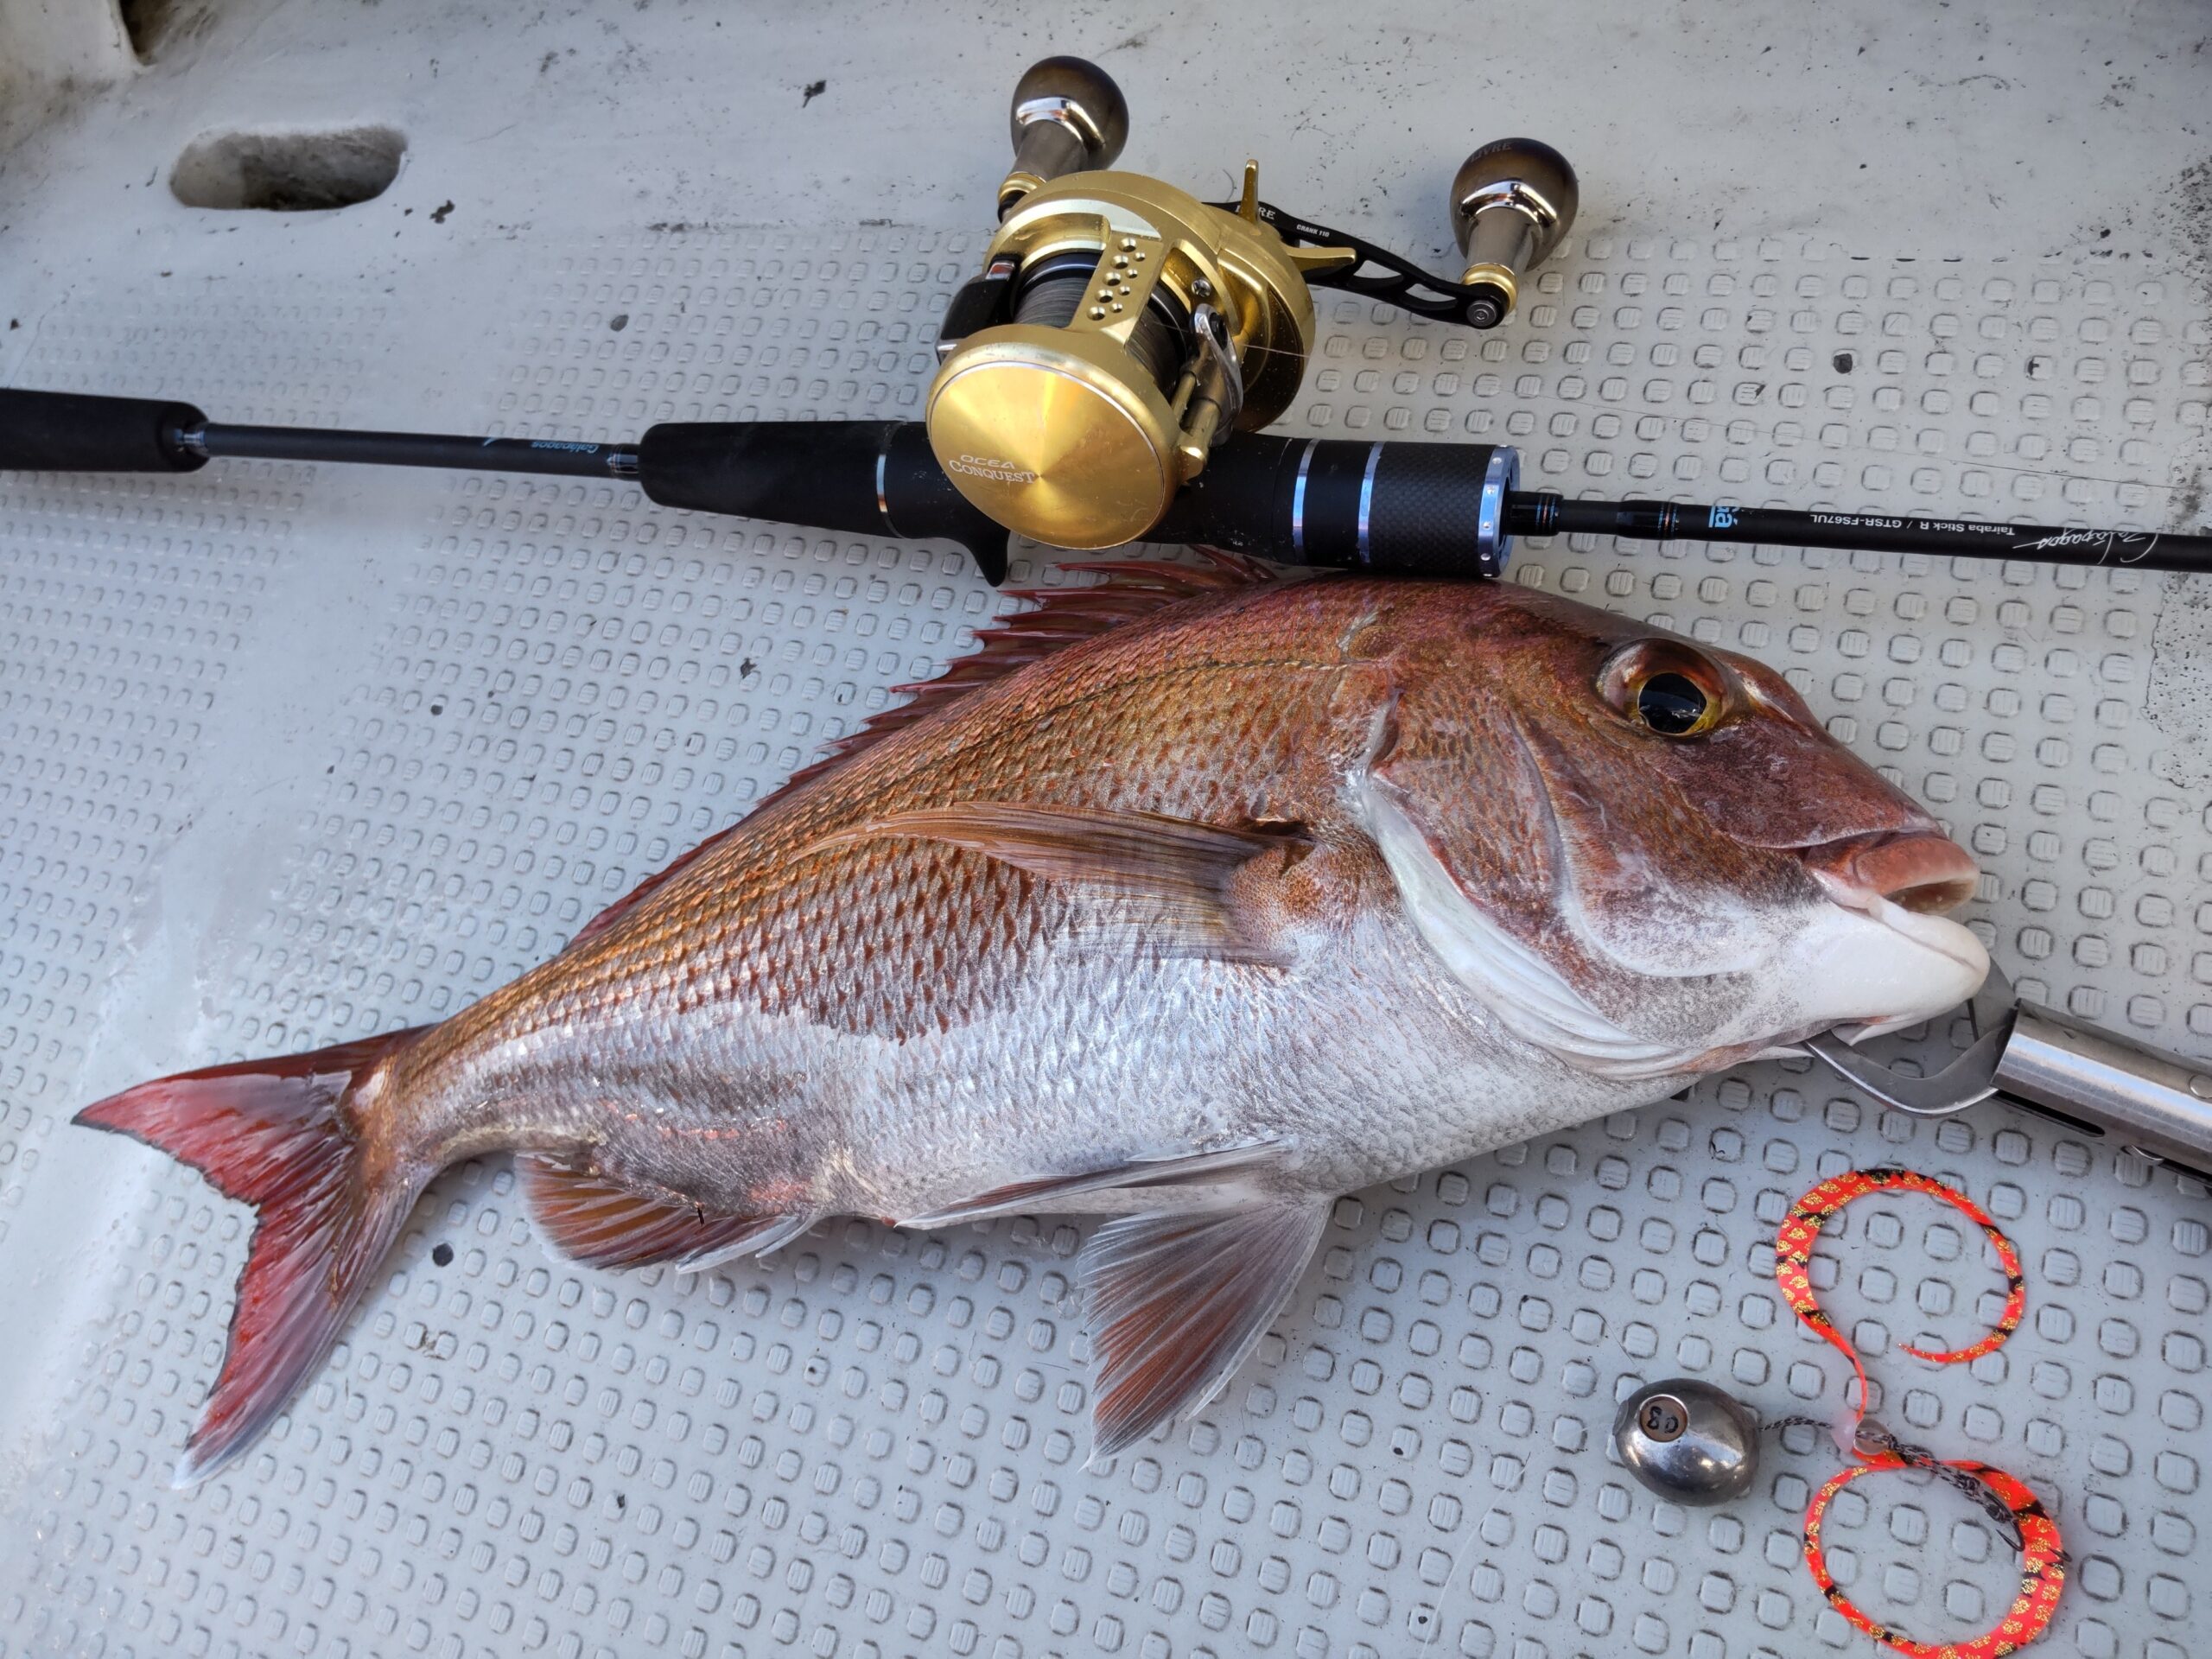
(601,1221)
(1058,618)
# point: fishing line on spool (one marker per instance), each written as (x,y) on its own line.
(2019,1514)
(1053,288)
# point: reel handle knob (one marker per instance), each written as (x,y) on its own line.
(1512,203)
(1068,117)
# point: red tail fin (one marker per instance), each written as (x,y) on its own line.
(272,1134)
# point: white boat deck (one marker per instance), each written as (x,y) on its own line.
(293,753)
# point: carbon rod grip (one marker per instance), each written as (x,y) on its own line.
(873,478)
(76,432)
(1392,508)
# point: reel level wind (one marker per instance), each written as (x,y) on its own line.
(1120,329)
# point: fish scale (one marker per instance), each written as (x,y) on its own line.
(1194,900)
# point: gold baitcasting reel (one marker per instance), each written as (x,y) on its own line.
(1144,326)
(1121,327)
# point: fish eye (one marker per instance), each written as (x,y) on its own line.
(1665,687)
(1671,704)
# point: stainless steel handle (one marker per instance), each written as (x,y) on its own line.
(2155,1103)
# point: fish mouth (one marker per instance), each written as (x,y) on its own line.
(1922,872)
(1904,881)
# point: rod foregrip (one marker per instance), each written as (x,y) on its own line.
(875,477)
(76,432)
(1390,507)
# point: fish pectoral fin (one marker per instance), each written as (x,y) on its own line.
(601,1220)
(1185,866)
(1175,1300)
(1180,1169)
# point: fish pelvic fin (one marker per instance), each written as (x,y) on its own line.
(1176,1298)
(1184,869)
(274,1134)
(600,1218)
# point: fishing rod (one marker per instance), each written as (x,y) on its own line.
(1390,507)
(1103,380)
(874,478)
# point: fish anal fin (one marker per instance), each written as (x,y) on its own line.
(1176,1298)
(601,1220)
(1182,1169)
(1186,869)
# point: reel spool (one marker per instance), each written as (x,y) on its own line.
(1121,328)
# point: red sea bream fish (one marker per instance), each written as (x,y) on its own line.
(1195,897)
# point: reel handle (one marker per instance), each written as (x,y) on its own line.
(873,478)
(1068,117)
(1511,202)
(76,432)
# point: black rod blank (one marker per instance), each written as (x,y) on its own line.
(1391,507)
(1532,513)
(552,455)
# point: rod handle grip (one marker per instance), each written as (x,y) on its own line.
(872,478)
(1390,508)
(76,432)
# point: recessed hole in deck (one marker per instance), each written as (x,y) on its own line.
(287,172)
(153,25)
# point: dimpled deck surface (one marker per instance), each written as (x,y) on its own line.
(291,753)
